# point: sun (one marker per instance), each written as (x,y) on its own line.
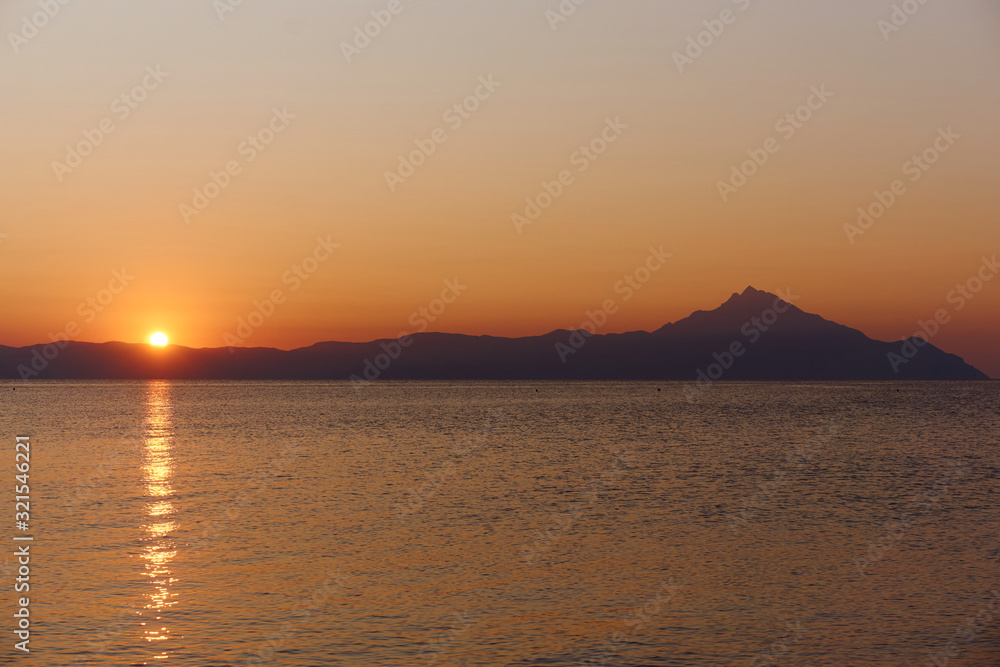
(158,339)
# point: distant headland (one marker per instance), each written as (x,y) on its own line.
(754,335)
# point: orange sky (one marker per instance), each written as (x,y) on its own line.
(197,85)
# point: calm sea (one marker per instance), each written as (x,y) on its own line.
(302,524)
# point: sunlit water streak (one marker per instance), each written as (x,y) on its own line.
(159,548)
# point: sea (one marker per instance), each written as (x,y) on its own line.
(503,523)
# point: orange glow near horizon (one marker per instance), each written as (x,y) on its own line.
(305,240)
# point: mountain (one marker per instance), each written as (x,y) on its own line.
(752,336)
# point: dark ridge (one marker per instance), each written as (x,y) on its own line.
(775,340)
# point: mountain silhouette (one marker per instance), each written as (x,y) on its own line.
(754,335)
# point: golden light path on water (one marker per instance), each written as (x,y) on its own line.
(159,549)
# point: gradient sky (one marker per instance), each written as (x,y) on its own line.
(324,175)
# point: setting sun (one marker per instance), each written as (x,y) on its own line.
(159,339)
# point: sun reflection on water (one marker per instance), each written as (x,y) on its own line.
(158,548)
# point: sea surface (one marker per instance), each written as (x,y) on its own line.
(305,524)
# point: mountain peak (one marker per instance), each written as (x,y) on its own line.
(739,309)
(751,296)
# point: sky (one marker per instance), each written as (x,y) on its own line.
(265,170)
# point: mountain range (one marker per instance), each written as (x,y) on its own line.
(754,335)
